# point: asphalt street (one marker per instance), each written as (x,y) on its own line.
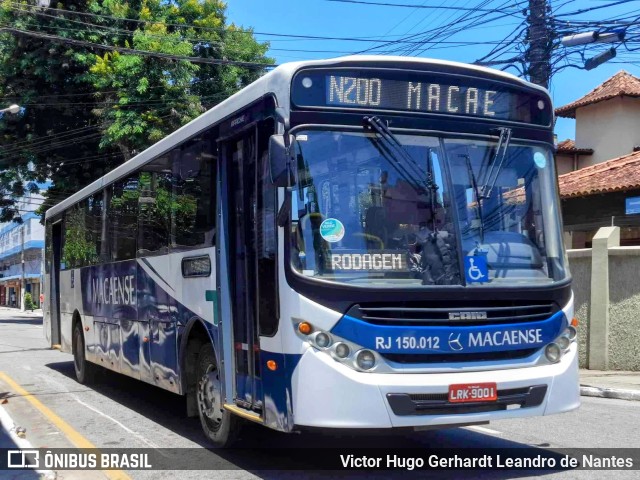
(118,412)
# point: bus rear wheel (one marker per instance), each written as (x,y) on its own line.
(85,371)
(220,426)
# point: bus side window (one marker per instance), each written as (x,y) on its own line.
(154,206)
(96,233)
(123,218)
(193,206)
(82,238)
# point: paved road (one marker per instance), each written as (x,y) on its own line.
(120,412)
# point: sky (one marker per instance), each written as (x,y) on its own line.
(348,20)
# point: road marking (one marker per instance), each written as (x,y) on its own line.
(76,438)
(124,427)
(63,387)
(476,428)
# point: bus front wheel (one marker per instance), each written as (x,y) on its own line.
(85,371)
(220,426)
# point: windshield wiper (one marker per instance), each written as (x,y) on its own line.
(488,184)
(476,192)
(391,148)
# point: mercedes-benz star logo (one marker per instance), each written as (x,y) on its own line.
(454,342)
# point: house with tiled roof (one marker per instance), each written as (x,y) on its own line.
(569,157)
(599,172)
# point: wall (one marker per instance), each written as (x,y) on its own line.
(583,216)
(611,128)
(624,308)
(580,267)
(624,305)
(565,162)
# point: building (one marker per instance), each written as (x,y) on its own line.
(15,238)
(599,173)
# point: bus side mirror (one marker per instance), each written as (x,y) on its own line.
(280,161)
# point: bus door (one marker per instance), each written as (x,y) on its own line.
(240,155)
(54,282)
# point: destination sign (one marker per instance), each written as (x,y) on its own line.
(377,260)
(429,93)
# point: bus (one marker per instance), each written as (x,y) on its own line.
(365,242)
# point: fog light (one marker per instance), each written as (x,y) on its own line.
(323,340)
(365,360)
(342,350)
(553,352)
(563,342)
(572,332)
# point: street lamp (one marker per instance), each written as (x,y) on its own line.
(11,109)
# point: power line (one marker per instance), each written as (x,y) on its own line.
(432,7)
(421,39)
(133,51)
(293,37)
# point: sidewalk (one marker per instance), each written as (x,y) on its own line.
(610,384)
(16,312)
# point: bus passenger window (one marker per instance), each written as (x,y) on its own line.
(193,205)
(123,218)
(154,221)
(77,251)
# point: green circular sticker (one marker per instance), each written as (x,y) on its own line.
(332,230)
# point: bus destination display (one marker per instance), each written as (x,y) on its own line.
(428,93)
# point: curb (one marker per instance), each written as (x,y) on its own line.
(10,428)
(588,391)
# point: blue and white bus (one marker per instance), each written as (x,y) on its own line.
(363,242)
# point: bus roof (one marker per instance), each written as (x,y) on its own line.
(277,81)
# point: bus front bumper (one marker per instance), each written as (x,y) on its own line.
(330,395)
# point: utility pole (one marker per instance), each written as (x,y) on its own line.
(540,42)
(22,280)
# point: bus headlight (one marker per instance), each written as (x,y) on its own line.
(553,352)
(568,337)
(365,359)
(323,340)
(563,342)
(342,350)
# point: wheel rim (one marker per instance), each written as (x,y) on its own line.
(209,399)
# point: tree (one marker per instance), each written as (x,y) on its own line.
(88,109)
(56,131)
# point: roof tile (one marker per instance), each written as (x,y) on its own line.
(569,146)
(622,84)
(622,173)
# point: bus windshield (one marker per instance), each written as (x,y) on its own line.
(394,211)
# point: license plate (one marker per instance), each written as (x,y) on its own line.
(473,392)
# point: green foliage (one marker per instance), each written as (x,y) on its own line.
(78,248)
(88,110)
(28,302)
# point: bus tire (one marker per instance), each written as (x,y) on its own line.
(220,426)
(85,371)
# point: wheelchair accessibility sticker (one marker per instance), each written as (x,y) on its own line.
(476,269)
